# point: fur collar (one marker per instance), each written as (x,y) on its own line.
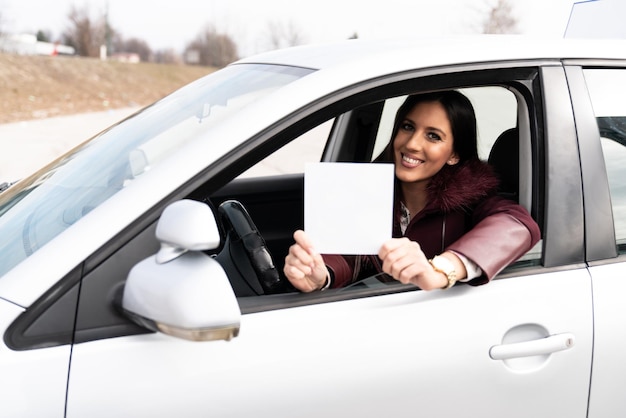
(459,187)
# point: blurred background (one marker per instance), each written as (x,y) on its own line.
(69,69)
(215,32)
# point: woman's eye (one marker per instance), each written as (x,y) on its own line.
(406,127)
(433,136)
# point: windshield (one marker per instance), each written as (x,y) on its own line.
(40,207)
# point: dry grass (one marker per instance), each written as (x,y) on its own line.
(35,87)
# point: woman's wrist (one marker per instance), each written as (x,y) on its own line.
(328,282)
(446,269)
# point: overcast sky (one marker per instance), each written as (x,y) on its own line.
(174,23)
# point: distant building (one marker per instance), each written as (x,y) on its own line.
(192,56)
(129,57)
(27,44)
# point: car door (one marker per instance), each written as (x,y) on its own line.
(34,382)
(520,346)
(400,354)
(603,144)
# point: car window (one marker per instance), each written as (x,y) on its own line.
(292,158)
(606,89)
(497,114)
(42,206)
(362,133)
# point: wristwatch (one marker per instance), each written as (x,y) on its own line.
(445,266)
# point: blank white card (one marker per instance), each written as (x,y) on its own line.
(348,207)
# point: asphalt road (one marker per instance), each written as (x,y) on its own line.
(29,145)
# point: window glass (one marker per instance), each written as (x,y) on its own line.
(292,158)
(496,112)
(495,107)
(42,206)
(606,89)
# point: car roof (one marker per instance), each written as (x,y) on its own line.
(431,52)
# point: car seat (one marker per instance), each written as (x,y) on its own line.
(504,158)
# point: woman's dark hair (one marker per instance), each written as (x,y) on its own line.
(462,120)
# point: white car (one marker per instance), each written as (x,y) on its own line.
(133,283)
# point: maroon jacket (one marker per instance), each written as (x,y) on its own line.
(464,214)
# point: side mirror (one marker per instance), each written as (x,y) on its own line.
(181,291)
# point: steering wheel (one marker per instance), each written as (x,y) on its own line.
(245,256)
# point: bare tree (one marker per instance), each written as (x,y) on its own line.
(274,35)
(167,56)
(85,34)
(283,35)
(211,48)
(500,19)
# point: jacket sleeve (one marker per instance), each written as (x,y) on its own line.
(503,231)
(341,269)
(347,269)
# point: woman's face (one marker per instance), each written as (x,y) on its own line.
(423,143)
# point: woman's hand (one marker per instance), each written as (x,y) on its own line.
(304,267)
(404,260)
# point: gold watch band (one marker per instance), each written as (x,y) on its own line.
(445,266)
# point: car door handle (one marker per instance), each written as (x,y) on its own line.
(542,346)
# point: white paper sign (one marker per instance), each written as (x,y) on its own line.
(348,207)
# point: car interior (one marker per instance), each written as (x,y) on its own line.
(275,204)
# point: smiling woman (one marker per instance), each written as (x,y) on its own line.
(424,143)
(452,223)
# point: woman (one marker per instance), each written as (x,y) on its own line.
(449,224)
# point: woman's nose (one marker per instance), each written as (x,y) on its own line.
(415,141)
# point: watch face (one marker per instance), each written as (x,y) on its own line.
(443,264)
(446,267)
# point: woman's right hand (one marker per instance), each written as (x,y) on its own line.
(304,267)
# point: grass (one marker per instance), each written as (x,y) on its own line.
(36,87)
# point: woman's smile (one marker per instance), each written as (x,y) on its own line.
(410,161)
(423,143)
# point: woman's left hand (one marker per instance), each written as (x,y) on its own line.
(405,261)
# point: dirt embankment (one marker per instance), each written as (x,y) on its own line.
(36,87)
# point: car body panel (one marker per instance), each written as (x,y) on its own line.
(435,52)
(600,235)
(373,359)
(609,369)
(43,372)
(562,177)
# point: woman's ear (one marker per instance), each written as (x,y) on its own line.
(454,159)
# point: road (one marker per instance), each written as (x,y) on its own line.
(27,146)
